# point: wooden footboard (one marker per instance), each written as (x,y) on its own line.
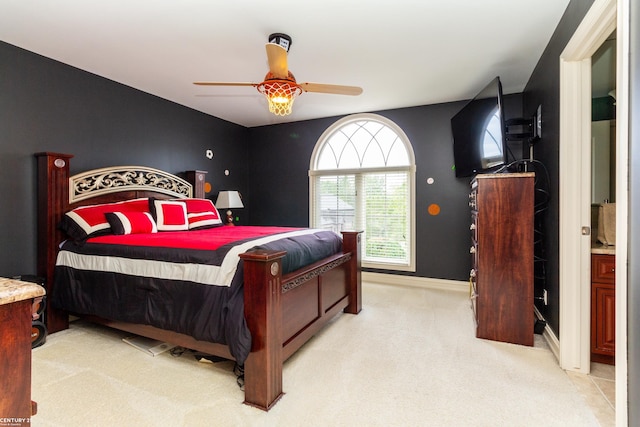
(282,312)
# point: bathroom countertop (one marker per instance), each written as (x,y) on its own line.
(600,249)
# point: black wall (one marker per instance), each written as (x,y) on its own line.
(442,241)
(543,89)
(49,106)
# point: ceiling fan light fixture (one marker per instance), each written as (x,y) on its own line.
(279,85)
(280,95)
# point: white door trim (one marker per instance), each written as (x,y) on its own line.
(622,208)
(575,132)
(574,198)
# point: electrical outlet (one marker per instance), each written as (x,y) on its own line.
(544,296)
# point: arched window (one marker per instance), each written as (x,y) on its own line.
(362,177)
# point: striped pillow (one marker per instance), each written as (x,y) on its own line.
(202,213)
(131,222)
(88,221)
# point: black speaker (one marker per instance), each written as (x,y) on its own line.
(38,324)
(38,334)
(539,326)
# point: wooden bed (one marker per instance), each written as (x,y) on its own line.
(282,312)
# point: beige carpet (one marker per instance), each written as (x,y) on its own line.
(410,358)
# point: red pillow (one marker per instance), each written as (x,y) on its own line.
(202,213)
(88,221)
(131,222)
(171,215)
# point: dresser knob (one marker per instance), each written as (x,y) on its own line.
(472,250)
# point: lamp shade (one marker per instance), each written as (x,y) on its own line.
(229,200)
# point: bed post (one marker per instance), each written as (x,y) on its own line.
(53,200)
(197,181)
(263,313)
(351,243)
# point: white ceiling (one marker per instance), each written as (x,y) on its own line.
(401,52)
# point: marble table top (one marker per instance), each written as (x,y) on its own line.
(12,290)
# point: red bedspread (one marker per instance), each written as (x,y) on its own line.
(210,239)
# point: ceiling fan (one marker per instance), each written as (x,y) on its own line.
(279,85)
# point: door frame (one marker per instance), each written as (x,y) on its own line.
(603,18)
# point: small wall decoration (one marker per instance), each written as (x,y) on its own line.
(433,209)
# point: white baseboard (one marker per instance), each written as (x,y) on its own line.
(424,282)
(550,337)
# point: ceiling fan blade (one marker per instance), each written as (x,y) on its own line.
(335,89)
(224,84)
(277,58)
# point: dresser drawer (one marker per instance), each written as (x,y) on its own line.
(603,268)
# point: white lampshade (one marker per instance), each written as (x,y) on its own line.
(229,200)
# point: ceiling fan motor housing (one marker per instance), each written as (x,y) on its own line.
(281,39)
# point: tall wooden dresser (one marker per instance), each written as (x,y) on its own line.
(502,238)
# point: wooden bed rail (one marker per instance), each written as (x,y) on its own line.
(351,244)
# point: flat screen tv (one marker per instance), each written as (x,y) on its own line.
(479,133)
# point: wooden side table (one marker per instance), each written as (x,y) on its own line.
(17,302)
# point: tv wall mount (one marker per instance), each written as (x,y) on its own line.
(529,129)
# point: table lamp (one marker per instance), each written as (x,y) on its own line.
(229,200)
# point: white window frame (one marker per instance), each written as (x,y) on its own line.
(410,169)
